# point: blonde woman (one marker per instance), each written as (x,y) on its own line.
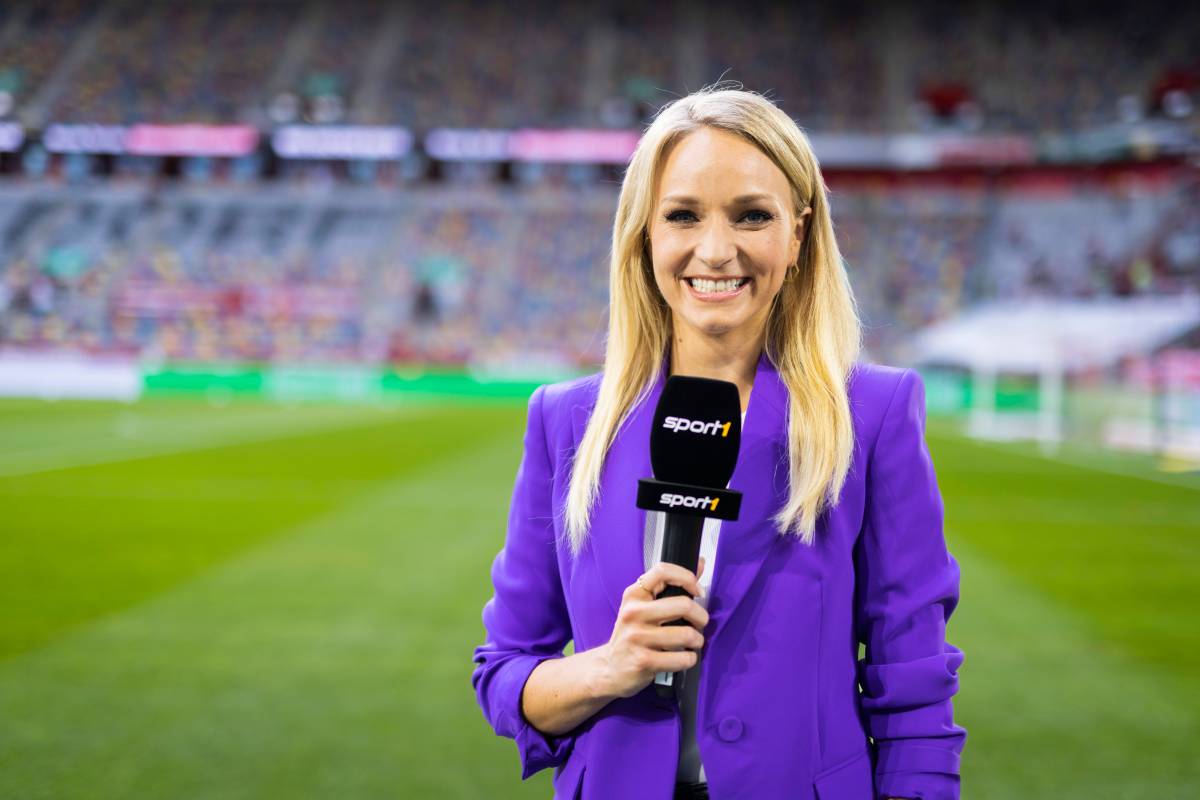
(724,265)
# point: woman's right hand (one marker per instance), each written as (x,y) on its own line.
(641,645)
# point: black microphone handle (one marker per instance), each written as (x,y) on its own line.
(681,545)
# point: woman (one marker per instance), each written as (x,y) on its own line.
(724,265)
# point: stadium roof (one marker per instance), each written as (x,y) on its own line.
(1031,335)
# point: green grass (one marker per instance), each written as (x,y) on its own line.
(254,601)
(1078,617)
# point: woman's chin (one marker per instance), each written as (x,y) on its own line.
(716,325)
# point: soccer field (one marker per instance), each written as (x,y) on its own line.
(258,601)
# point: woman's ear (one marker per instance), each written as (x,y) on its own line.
(801,220)
(798,233)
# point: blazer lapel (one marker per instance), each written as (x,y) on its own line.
(761,475)
(618,525)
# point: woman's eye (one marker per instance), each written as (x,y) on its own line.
(754,217)
(757,216)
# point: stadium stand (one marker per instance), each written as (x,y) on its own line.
(176,62)
(456,274)
(834,66)
(335,65)
(267,258)
(34,40)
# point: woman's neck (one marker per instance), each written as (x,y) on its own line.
(730,360)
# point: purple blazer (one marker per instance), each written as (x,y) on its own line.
(785,707)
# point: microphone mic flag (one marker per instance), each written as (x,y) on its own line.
(694,443)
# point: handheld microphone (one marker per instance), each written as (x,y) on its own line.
(693,451)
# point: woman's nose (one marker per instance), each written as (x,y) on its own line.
(716,246)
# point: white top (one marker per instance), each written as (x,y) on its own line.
(690,768)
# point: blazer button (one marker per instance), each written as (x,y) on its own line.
(730,729)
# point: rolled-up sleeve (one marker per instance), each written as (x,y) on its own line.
(907,589)
(526,620)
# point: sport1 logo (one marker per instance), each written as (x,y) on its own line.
(677,424)
(671,500)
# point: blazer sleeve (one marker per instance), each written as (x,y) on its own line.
(907,588)
(526,620)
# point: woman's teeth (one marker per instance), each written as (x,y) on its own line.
(705,286)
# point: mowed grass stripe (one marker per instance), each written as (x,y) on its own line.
(83,542)
(331,662)
(69,434)
(1089,458)
(1055,710)
(334,659)
(1122,553)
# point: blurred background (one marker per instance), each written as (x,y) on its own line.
(277,277)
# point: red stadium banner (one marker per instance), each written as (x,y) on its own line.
(953,151)
(155,300)
(310,300)
(306,301)
(573,146)
(930,151)
(228,141)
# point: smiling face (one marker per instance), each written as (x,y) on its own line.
(723,232)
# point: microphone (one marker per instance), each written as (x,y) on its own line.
(693,451)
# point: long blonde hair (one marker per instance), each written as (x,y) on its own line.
(813,332)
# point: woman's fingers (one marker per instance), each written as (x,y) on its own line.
(672,637)
(664,574)
(666,609)
(642,643)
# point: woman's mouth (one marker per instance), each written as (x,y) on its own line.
(708,290)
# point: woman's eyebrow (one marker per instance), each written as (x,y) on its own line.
(741,199)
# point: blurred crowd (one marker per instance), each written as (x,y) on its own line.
(1032,67)
(325,261)
(202,62)
(504,275)
(34,41)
